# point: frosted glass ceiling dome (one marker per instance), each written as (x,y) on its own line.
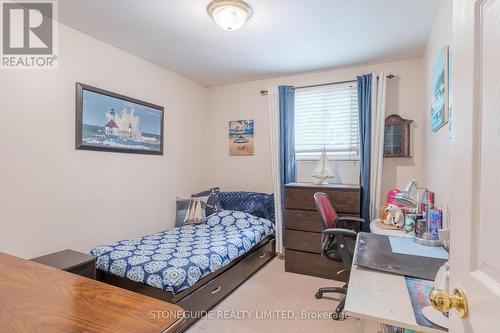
(229,15)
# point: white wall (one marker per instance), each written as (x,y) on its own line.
(436,146)
(54,197)
(405,97)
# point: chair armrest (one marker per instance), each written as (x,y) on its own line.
(339,235)
(339,231)
(351,218)
(350,222)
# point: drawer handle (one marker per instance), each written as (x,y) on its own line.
(262,255)
(216,290)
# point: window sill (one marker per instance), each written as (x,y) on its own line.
(316,159)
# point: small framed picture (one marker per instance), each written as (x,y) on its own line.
(241,141)
(440,96)
(107,121)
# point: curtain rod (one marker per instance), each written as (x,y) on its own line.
(264,92)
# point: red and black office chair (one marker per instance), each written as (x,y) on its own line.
(337,243)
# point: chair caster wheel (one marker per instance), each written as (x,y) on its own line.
(318,295)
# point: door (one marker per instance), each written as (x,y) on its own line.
(475,149)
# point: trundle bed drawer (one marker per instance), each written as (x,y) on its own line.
(257,259)
(214,291)
(211,293)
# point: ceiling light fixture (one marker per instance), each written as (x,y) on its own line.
(230,15)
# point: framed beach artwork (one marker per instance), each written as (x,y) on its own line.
(440,96)
(241,141)
(107,121)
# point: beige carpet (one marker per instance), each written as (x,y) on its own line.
(285,296)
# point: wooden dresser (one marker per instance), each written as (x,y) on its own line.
(303,227)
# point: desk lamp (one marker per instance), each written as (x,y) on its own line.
(407,199)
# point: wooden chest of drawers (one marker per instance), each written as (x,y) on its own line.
(303,227)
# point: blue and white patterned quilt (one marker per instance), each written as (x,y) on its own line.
(174,260)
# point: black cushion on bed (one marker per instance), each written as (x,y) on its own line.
(213,201)
(257,204)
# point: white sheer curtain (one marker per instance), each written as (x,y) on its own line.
(379,88)
(274,123)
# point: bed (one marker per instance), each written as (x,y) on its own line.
(194,266)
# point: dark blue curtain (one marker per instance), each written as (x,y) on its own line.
(287,134)
(365,122)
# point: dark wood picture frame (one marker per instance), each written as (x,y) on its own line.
(401,136)
(80,87)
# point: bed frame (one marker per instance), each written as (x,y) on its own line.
(207,292)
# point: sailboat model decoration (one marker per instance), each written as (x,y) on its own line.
(322,171)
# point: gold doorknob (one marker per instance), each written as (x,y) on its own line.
(442,301)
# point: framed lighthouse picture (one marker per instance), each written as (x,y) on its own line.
(108,121)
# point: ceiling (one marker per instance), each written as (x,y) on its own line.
(283,36)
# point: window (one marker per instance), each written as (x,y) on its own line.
(327,116)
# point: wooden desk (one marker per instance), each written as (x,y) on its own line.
(39,298)
(377,297)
